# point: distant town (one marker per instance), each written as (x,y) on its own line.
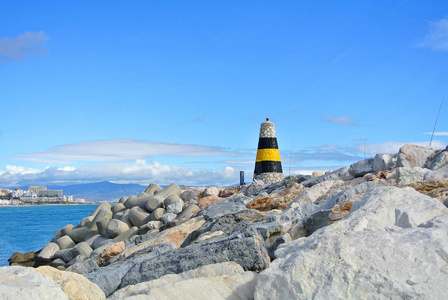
(36,195)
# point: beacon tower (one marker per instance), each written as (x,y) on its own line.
(268,166)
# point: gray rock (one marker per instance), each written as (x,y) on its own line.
(188,196)
(168,218)
(331,175)
(170,200)
(221,209)
(76,259)
(176,207)
(65,242)
(99,241)
(109,278)
(92,239)
(445,202)
(49,250)
(439,161)
(152,188)
(85,266)
(60,254)
(361,168)
(116,227)
(245,248)
(384,162)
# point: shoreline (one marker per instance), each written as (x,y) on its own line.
(52,204)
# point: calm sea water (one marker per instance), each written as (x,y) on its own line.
(30,228)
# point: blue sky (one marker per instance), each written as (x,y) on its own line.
(175,91)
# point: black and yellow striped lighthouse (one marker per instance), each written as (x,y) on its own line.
(268,165)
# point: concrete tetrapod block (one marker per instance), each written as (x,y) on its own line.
(124,216)
(172,189)
(170,200)
(78,234)
(82,249)
(117,208)
(66,229)
(130,201)
(92,239)
(157,214)
(49,250)
(68,255)
(154,202)
(138,216)
(102,227)
(99,241)
(60,253)
(123,200)
(116,227)
(93,227)
(137,201)
(65,242)
(152,189)
(86,221)
(188,211)
(103,205)
(125,235)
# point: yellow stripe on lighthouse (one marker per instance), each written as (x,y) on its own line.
(268,154)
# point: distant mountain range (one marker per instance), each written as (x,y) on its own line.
(99,191)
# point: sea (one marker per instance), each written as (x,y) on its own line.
(30,228)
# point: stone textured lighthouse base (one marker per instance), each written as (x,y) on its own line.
(269,177)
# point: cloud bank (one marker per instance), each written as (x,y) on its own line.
(122,150)
(140,172)
(23,45)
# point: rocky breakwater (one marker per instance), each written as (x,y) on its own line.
(376,229)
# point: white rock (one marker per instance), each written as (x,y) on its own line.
(211,191)
(176,207)
(408,175)
(49,250)
(384,162)
(215,281)
(26,283)
(311,194)
(414,156)
(168,217)
(376,252)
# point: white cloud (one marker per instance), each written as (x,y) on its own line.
(342,120)
(122,150)
(138,172)
(200,118)
(22,45)
(442,133)
(437,38)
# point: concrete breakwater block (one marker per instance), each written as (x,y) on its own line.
(138,216)
(49,250)
(152,189)
(116,227)
(78,234)
(65,242)
(172,189)
(117,208)
(154,202)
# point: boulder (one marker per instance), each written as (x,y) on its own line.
(112,250)
(26,283)
(83,267)
(388,230)
(116,227)
(17,257)
(361,168)
(384,162)
(109,278)
(410,156)
(211,191)
(170,200)
(176,207)
(313,193)
(49,250)
(439,161)
(245,248)
(217,281)
(75,286)
(330,175)
(407,175)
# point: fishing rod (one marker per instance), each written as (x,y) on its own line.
(440,108)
